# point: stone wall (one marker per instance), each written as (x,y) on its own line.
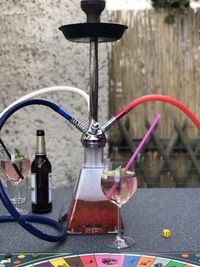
(34,54)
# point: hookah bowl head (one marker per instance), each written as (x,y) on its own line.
(93,9)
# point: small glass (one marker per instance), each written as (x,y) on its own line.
(118,186)
(17,191)
(15,166)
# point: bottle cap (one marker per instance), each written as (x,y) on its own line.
(40,132)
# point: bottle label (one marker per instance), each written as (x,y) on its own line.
(33,189)
(50,186)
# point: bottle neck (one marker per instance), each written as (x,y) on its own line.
(40,145)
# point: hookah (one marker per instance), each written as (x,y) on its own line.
(90,212)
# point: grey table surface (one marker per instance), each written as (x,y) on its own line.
(144,217)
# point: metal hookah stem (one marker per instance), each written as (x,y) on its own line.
(94,84)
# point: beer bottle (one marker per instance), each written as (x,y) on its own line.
(41,177)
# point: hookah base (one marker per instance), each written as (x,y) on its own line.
(92,217)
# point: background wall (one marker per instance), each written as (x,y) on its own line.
(34,54)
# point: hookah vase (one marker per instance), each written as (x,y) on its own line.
(90,211)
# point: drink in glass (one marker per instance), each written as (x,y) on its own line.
(15,165)
(119,186)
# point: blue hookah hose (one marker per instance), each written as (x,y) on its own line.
(24,220)
(80,126)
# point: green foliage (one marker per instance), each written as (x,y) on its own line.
(170,3)
(170,19)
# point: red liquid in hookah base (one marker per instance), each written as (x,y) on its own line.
(119,189)
(9,171)
(92,217)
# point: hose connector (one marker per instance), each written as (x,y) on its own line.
(94,137)
(107,125)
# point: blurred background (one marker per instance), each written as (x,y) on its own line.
(158,54)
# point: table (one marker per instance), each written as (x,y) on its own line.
(144,217)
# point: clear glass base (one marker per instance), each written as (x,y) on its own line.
(120,242)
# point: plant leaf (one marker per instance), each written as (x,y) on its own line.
(18,155)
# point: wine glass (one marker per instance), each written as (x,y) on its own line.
(15,165)
(118,186)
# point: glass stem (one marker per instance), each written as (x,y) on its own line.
(118,221)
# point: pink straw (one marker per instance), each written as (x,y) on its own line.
(131,160)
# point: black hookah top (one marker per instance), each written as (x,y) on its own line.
(93,29)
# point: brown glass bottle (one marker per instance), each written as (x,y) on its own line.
(41,177)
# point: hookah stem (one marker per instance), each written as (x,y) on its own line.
(13,163)
(94,80)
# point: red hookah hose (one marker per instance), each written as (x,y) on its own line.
(167,99)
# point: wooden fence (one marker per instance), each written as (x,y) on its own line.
(173,162)
(154,57)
